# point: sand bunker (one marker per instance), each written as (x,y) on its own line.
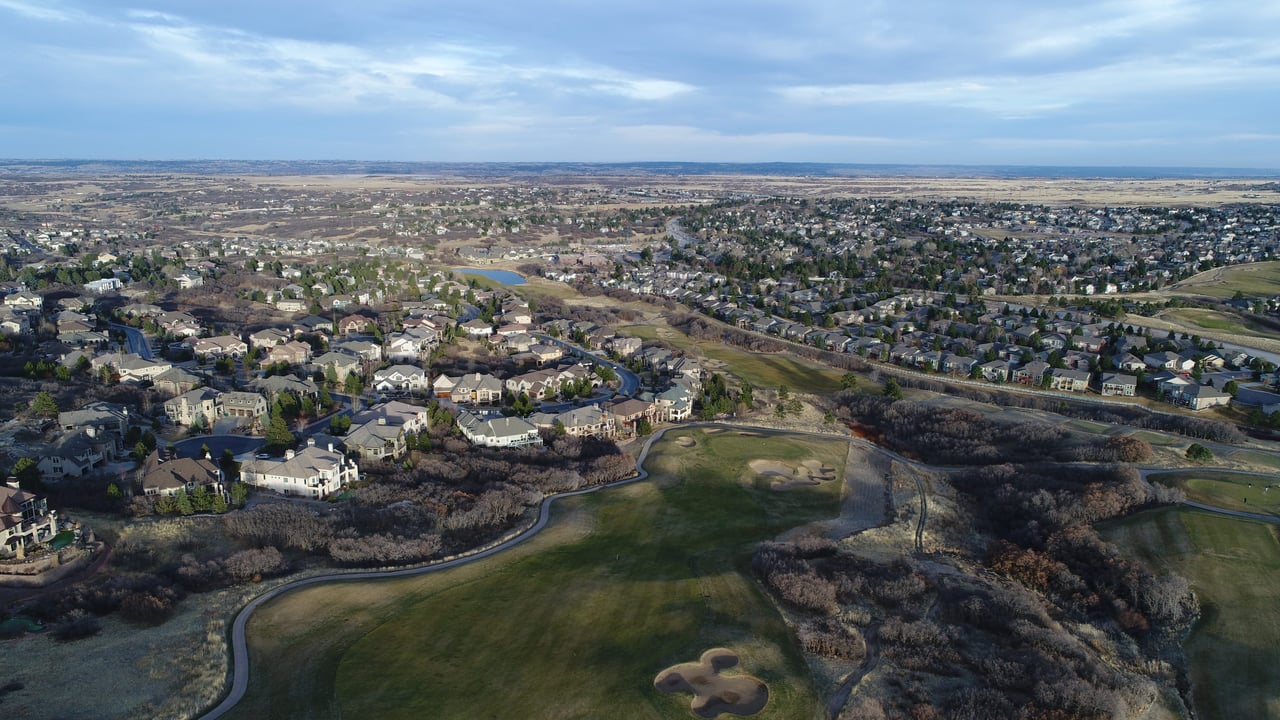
(785,477)
(685,441)
(714,693)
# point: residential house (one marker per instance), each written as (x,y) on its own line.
(1032,373)
(342,364)
(627,413)
(25,520)
(99,419)
(411,344)
(188,279)
(356,324)
(24,301)
(267,337)
(134,369)
(169,476)
(199,406)
(1168,361)
(1193,395)
(76,454)
(477,388)
(311,472)
(413,418)
(366,350)
(273,385)
(292,352)
(240,404)
(623,346)
(545,353)
(103,285)
(401,378)
(995,371)
(376,440)
(176,381)
(219,347)
(585,421)
(442,387)
(1069,380)
(1119,384)
(675,404)
(497,431)
(477,328)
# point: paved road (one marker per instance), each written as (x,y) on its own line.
(238,444)
(135,341)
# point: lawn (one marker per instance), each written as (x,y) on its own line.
(1157,439)
(1227,490)
(1234,567)
(577,623)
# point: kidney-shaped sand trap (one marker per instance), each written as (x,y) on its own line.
(714,693)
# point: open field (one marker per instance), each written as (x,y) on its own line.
(1232,491)
(1234,567)
(578,622)
(1254,279)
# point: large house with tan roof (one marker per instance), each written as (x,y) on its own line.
(312,472)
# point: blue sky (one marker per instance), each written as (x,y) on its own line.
(1085,82)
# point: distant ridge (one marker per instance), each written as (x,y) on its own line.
(535,169)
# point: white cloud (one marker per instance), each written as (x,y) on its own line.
(47,11)
(1020,96)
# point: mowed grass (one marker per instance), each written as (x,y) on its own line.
(762,370)
(575,625)
(1234,567)
(1253,279)
(1232,491)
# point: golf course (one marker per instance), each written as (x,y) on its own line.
(578,621)
(1234,567)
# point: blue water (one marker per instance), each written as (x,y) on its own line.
(504,277)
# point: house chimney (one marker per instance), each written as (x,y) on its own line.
(11,482)
(311,442)
(288,454)
(382,421)
(330,447)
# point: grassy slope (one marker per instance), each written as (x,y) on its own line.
(1227,490)
(1234,566)
(760,369)
(622,585)
(1253,279)
(1216,320)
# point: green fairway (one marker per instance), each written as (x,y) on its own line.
(1234,567)
(1232,491)
(577,623)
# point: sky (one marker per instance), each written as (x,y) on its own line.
(1157,83)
